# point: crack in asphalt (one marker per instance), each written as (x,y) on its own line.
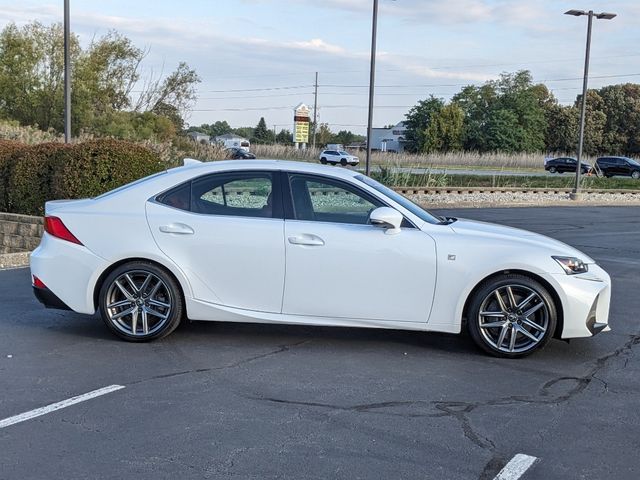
(459,411)
(280,349)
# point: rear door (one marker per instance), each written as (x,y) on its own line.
(226,232)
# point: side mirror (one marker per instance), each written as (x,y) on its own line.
(386,218)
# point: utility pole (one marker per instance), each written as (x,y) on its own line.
(315,111)
(372,78)
(67,74)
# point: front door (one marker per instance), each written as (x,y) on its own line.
(225,231)
(340,266)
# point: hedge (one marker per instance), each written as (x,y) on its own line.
(31,175)
(30,172)
(97,166)
(7,149)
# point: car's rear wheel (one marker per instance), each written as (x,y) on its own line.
(140,302)
(511,316)
(635,174)
(343,162)
(323,161)
(552,170)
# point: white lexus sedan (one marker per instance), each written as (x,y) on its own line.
(261,241)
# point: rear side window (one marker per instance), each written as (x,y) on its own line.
(239,194)
(179,197)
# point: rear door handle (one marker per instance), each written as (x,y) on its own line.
(306,239)
(179,228)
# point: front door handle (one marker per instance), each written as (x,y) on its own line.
(306,239)
(179,228)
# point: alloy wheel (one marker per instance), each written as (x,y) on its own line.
(138,303)
(513,318)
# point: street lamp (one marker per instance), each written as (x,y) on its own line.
(575,195)
(67,74)
(372,77)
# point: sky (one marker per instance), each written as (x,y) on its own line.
(259,57)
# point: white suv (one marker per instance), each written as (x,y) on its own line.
(338,156)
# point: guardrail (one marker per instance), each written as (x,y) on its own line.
(465,190)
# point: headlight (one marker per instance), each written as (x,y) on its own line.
(572,265)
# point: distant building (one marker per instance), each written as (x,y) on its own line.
(199,137)
(389,139)
(230,140)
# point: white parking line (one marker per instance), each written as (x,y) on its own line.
(58,405)
(516,467)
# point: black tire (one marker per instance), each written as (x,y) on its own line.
(496,337)
(323,161)
(158,302)
(343,162)
(635,174)
(553,169)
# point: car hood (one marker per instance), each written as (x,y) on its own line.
(501,232)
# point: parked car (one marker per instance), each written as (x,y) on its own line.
(240,153)
(565,164)
(610,166)
(338,156)
(208,241)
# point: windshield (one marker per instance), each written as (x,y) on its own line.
(343,153)
(633,162)
(402,200)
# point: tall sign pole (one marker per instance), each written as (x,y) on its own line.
(67,74)
(315,111)
(372,78)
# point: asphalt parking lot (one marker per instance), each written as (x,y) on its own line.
(244,401)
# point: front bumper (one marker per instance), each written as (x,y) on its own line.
(585,302)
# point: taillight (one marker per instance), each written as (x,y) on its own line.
(54,226)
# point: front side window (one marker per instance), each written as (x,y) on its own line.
(327,200)
(237,194)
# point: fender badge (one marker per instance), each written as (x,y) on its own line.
(451,257)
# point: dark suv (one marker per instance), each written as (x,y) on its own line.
(565,164)
(610,166)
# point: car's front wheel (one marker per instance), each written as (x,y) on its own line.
(511,316)
(139,302)
(343,162)
(635,174)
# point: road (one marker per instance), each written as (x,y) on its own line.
(470,171)
(242,401)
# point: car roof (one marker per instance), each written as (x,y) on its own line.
(263,164)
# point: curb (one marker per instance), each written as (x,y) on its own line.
(14,260)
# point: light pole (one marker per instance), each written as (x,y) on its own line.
(372,78)
(575,195)
(67,74)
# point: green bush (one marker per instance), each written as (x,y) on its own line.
(91,168)
(30,173)
(7,149)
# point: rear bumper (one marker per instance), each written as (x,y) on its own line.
(70,273)
(49,299)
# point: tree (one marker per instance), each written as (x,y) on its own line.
(261,134)
(103,77)
(284,137)
(323,134)
(444,132)
(418,120)
(562,129)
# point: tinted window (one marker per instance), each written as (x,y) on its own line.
(327,200)
(178,197)
(238,194)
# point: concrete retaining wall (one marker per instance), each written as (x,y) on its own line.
(19,233)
